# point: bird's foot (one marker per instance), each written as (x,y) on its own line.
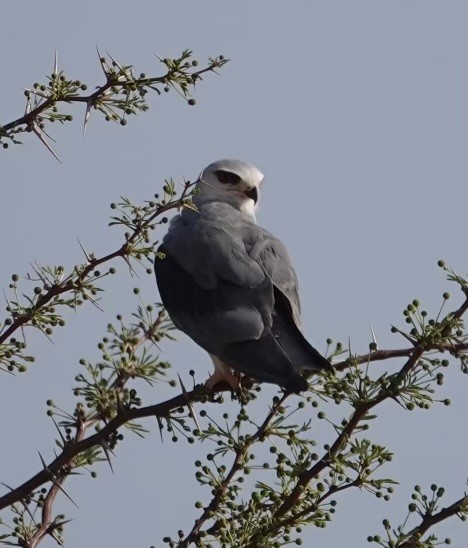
(228,377)
(223,374)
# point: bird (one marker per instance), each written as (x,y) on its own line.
(230,286)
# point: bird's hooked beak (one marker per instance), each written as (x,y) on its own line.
(252,194)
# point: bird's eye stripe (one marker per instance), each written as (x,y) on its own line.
(227,178)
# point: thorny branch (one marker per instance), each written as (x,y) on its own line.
(359,414)
(59,468)
(74,282)
(122,94)
(429,521)
(381,355)
(56,468)
(236,466)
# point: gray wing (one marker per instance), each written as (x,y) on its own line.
(271,254)
(209,244)
(230,286)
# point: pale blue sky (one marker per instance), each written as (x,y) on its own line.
(356,112)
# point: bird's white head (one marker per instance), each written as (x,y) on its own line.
(233,181)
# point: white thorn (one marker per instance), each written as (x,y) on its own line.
(86,118)
(189,403)
(373,335)
(37,131)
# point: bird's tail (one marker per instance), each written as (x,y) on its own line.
(264,360)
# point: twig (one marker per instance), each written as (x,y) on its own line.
(431,520)
(31,115)
(381,355)
(236,466)
(71,284)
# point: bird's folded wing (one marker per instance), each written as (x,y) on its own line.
(213,317)
(210,252)
(219,274)
(271,254)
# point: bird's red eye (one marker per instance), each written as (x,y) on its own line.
(227,178)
